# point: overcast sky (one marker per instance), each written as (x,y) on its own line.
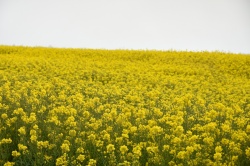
(222,25)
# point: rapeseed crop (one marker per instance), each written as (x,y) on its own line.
(122,107)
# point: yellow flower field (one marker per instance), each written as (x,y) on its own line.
(123,107)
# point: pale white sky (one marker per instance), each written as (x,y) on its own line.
(222,25)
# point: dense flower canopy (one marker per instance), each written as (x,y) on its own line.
(123,107)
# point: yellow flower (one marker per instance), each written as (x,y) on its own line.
(234,158)
(210,126)
(32,117)
(92,137)
(152,149)
(155,130)
(22,131)
(72,124)
(224,141)
(32,132)
(80,150)
(176,140)
(125,136)
(33,138)
(133,129)
(86,114)
(110,148)
(51,146)
(35,127)
(106,137)
(179,130)
(218,149)
(6,141)
(42,144)
(99,144)
(47,158)
(15,153)
(81,158)
(173,151)
(171,163)
(225,128)
(193,138)
(62,160)
(9,164)
(22,147)
(165,147)
(39,144)
(189,149)
(218,156)
(19,111)
(181,155)
(125,163)
(92,162)
(72,133)
(248,129)
(119,140)
(4,116)
(123,149)
(248,153)
(209,141)
(65,147)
